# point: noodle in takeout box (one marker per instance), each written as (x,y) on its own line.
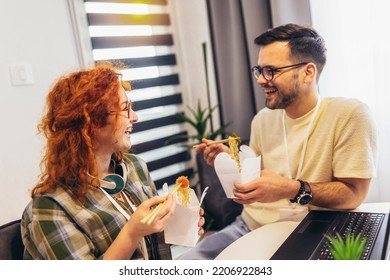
(240,165)
(183,228)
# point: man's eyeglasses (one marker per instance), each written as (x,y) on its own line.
(268,72)
(127,109)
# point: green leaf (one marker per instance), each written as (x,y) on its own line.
(349,248)
(199,119)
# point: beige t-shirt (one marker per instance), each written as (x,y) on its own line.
(342,143)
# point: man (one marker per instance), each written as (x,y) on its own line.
(315,152)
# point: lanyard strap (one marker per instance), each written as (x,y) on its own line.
(303,152)
(132,205)
(127,216)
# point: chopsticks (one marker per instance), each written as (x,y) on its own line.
(152,215)
(217,142)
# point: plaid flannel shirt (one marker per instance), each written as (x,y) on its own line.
(57,226)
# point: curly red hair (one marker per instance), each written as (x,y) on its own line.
(76,106)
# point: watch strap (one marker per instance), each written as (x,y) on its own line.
(300,191)
(304,191)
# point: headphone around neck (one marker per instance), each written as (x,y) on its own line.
(115,182)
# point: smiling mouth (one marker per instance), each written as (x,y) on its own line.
(270,91)
(129,130)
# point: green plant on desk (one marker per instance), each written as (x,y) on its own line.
(350,248)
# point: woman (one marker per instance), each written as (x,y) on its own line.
(89,186)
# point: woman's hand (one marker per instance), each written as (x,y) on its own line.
(134,230)
(160,221)
(201,222)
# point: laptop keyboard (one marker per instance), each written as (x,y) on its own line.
(368,224)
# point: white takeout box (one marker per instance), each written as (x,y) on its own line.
(183,226)
(227,170)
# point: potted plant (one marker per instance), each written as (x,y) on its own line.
(200,120)
(349,248)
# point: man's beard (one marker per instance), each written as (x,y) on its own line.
(284,99)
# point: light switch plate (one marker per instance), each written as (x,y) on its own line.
(21,74)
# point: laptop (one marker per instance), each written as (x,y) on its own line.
(309,242)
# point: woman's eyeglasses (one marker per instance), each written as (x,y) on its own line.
(268,72)
(127,109)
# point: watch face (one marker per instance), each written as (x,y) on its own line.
(304,198)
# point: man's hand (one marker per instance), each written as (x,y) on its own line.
(210,152)
(268,187)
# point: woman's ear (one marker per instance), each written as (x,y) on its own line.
(310,73)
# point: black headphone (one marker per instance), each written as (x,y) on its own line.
(116,181)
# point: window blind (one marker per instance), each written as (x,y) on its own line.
(138,34)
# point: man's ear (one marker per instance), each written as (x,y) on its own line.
(310,73)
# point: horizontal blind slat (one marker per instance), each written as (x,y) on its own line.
(160,60)
(124,19)
(155,102)
(166,161)
(131,41)
(155,82)
(158,143)
(142,126)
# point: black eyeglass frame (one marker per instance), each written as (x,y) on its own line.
(260,70)
(128,108)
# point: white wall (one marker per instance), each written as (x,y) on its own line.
(38,33)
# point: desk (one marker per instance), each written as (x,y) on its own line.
(259,244)
(262,243)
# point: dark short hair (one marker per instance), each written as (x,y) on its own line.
(304,42)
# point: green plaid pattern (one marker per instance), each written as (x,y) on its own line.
(57,226)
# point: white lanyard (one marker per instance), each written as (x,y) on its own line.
(127,216)
(304,142)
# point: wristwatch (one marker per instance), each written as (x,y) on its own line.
(304,195)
